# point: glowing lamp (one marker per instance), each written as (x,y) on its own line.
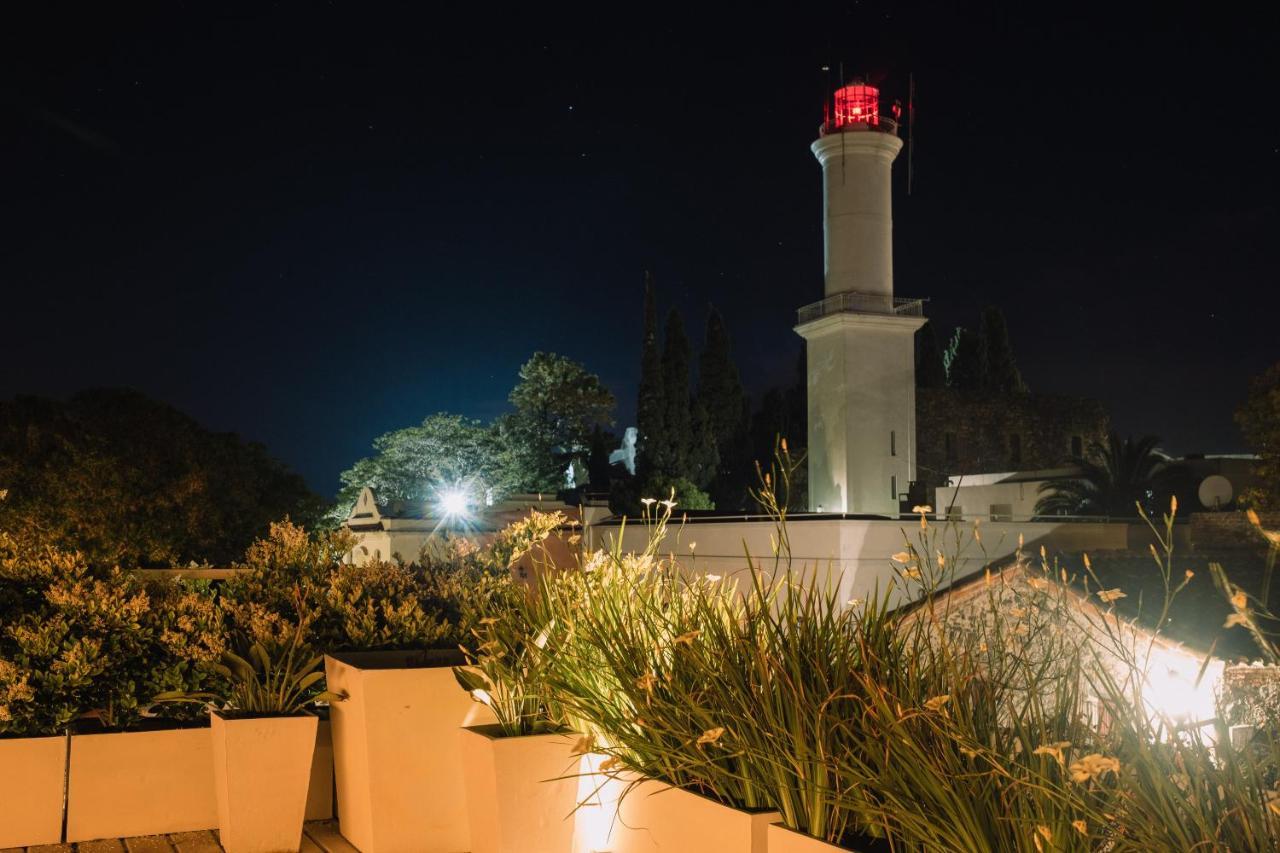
(453,502)
(857,104)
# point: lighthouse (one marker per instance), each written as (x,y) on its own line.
(860,338)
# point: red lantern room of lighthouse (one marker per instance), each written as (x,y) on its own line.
(855,107)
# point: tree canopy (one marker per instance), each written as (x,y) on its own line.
(558,404)
(1259,420)
(128,480)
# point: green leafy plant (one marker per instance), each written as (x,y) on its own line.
(506,666)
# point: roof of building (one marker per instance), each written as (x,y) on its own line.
(1198,612)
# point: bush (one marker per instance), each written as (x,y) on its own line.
(76,641)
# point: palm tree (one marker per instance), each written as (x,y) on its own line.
(1113,480)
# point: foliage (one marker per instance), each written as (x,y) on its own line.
(1116,480)
(130,481)
(703,458)
(1259,420)
(720,388)
(299,577)
(271,679)
(677,420)
(931,372)
(557,404)
(650,398)
(506,665)
(76,640)
(1001,373)
(965,362)
(415,463)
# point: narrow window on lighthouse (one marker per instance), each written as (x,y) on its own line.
(893,488)
(893,442)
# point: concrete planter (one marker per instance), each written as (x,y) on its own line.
(261,772)
(32,771)
(784,840)
(521,791)
(396,750)
(122,784)
(653,817)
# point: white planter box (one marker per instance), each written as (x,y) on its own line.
(396,752)
(32,771)
(784,840)
(261,773)
(122,784)
(656,818)
(521,791)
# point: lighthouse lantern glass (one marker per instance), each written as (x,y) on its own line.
(856,104)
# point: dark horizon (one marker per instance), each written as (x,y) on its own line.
(311,225)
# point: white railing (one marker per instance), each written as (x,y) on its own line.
(852,302)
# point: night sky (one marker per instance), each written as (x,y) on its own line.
(312,223)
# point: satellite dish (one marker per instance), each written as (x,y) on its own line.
(1215,491)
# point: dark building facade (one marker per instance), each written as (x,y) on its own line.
(964,432)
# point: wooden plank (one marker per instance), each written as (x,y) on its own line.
(51,848)
(326,836)
(309,846)
(148,844)
(105,845)
(195,842)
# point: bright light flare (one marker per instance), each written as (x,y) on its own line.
(453,503)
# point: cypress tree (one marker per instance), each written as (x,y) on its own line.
(704,458)
(964,359)
(719,386)
(677,420)
(1001,370)
(650,405)
(930,370)
(720,393)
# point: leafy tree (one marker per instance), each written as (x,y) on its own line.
(1113,481)
(931,372)
(414,463)
(1259,420)
(650,400)
(677,419)
(966,361)
(127,480)
(558,402)
(1000,371)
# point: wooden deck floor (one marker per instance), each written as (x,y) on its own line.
(317,837)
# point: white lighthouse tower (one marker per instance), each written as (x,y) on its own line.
(860,338)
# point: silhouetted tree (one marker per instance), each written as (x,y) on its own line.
(1113,481)
(598,450)
(931,372)
(1259,420)
(703,457)
(966,368)
(127,480)
(1000,371)
(677,420)
(720,393)
(650,400)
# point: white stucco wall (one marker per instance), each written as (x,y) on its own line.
(854,555)
(972,502)
(862,411)
(857,191)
